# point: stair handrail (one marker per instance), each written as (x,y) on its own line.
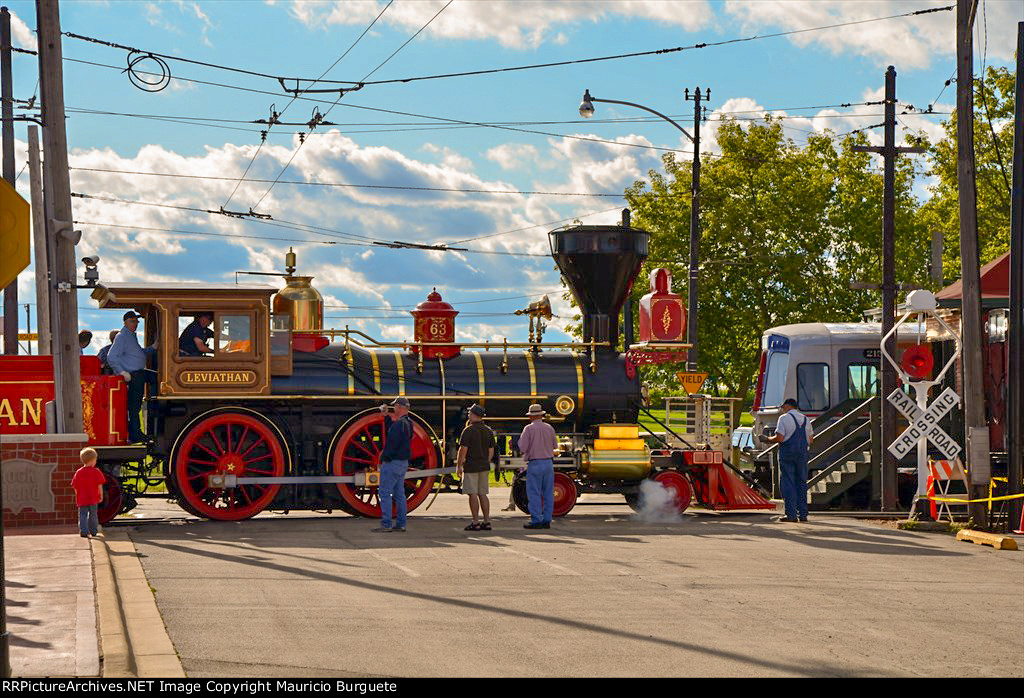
(859,445)
(849,416)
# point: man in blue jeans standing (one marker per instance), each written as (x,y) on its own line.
(795,433)
(538,444)
(394,462)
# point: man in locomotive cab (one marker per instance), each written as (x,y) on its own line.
(129,359)
(192,341)
(795,433)
(538,444)
(394,462)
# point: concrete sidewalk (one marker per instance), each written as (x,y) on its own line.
(80,607)
(51,605)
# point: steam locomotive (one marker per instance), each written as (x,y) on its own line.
(282,418)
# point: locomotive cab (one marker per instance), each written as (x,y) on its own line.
(248,344)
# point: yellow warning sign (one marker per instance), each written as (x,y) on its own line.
(14,238)
(692,380)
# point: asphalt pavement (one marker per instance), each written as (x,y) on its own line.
(599,594)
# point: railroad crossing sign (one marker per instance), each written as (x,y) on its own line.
(924,423)
(692,380)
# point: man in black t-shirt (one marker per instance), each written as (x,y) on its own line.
(192,341)
(476,449)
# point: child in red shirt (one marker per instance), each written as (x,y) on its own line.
(88,484)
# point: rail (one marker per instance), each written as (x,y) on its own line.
(590,347)
(849,412)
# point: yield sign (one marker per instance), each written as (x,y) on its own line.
(924,424)
(692,380)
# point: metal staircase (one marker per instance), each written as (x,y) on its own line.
(846,451)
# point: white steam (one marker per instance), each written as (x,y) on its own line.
(657,504)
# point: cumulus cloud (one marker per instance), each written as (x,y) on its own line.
(23,36)
(513,23)
(331,228)
(798,127)
(911,42)
(515,156)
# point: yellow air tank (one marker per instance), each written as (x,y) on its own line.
(618,454)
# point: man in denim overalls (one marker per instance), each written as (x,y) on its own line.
(795,433)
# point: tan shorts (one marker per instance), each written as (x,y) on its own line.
(475,483)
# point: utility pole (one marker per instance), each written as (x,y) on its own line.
(889,151)
(39,242)
(691,290)
(67,371)
(10,295)
(970,276)
(11,292)
(1015,349)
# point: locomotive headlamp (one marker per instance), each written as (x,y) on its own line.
(586,106)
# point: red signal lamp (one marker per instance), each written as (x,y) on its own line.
(918,362)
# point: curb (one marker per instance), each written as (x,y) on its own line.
(997,541)
(132,633)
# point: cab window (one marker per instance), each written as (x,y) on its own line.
(189,330)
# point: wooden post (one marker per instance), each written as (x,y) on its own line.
(888,151)
(1015,344)
(970,305)
(60,229)
(39,243)
(7,110)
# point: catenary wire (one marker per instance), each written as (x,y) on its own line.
(535,66)
(302,141)
(292,101)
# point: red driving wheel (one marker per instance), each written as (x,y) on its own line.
(565,494)
(113,499)
(357,449)
(677,484)
(227,443)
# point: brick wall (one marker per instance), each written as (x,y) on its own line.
(59,451)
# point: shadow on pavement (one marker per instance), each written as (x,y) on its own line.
(446,531)
(811,668)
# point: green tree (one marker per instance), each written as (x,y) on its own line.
(784,230)
(993,152)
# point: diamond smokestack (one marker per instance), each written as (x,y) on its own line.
(599,264)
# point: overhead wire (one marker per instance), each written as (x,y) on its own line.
(350,185)
(351,239)
(275,115)
(302,141)
(535,66)
(413,114)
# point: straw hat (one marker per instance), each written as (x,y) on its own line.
(535,411)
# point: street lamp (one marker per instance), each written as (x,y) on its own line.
(587,111)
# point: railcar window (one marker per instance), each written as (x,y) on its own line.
(234,334)
(862,380)
(775,379)
(812,387)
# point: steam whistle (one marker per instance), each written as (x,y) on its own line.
(539,311)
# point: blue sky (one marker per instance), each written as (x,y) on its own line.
(302,39)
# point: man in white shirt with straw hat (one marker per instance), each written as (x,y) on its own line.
(538,444)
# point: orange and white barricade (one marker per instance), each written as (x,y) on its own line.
(941,474)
